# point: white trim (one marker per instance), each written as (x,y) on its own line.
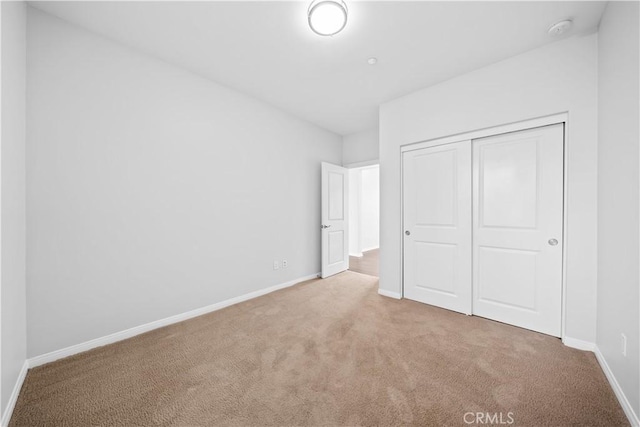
(402,229)
(137,330)
(1,126)
(11,404)
(389,294)
(357,255)
(579,344)
(624,402)
(490,131)
(565,227)
(371,248)
(366,163)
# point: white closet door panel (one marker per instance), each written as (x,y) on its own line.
(437,222)
(517,227)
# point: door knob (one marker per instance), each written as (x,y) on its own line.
(408,233)
(324,226)
(553,242)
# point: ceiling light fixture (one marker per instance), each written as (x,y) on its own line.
(372,61)
(327,17)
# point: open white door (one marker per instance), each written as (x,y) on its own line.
(437,226)
(335,237)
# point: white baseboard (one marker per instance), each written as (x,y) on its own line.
(622,398)
(11,404)
(128,333)
(579,344)
(385,293)
(370,249)
(357,255)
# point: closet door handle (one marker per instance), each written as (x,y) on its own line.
(553,242)
(408,233)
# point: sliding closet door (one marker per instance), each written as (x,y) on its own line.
(517,216)
(437,225)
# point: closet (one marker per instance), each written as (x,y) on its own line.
(483,224)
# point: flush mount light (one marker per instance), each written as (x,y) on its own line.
(372,61)
(327,17)
(560,28)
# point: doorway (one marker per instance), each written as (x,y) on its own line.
(364,219)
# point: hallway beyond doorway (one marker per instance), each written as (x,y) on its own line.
(366,264)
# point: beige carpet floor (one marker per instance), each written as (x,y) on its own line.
(324,352)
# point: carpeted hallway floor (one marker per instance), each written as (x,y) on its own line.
(324,352)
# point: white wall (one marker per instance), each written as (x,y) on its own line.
(151,191)
(12,153)
(364,209)
(369,208)
(618,194)
(360,147)
(355,248)
(560,77)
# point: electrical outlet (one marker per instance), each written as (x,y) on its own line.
(285,264)
(276,265)
(624,345)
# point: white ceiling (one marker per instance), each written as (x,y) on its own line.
(266,50)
